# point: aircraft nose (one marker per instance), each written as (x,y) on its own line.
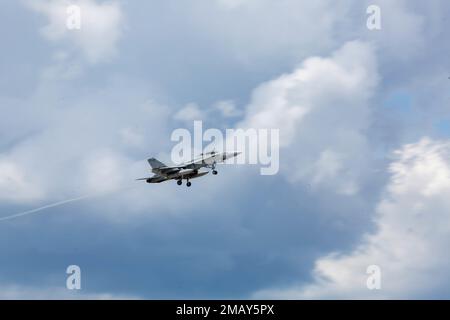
(231,154)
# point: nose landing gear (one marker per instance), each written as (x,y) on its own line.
(213,167)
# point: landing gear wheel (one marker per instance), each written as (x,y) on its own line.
(188,184)
(179,182)
(214,172)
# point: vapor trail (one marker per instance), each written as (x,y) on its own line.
(56,204)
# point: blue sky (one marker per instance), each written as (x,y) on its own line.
(364,149)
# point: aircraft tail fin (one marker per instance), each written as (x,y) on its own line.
(155,164)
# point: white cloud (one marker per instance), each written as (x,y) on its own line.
(322,110)
(131,136)
(66,148)
(189,113)
(16,184)
(101,26)
(259,32)
(410,241)
(232,4)
(104,171)
(227,109)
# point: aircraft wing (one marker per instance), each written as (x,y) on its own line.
(169,170)
(173,169)
(194,164)
(154,179)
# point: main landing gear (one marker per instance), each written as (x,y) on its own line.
(180,182)
(214,172)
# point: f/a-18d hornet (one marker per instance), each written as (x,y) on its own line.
(188,170)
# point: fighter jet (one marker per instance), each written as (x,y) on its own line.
(188,170)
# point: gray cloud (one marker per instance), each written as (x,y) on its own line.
(72,125)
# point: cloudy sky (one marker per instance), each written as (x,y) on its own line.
(364,121)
